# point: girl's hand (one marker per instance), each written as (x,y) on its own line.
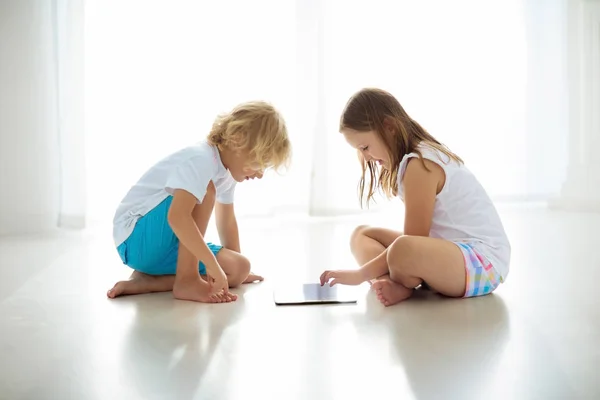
(345,277)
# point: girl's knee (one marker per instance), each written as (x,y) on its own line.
(358,236)
(401,257)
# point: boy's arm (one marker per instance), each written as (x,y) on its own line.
(182,222)
(227,226)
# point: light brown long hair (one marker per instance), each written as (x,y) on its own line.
(377,110)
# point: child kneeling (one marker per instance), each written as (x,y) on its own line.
(159,226)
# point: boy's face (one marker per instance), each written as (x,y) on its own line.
(243,168)
(370,145)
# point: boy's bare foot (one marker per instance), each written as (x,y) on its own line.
(253,278)
(389,292)
(196,289)
(140,283)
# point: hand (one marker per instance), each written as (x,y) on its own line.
(345,277)
(218,281)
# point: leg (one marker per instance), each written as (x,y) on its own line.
(140,283)
(194,287)
(414,259)
(235,266)
(368,242)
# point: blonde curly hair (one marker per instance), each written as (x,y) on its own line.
(255,126)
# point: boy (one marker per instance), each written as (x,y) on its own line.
(159,226)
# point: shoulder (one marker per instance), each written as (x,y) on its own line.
(201,154)
(422,170)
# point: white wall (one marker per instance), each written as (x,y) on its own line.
(29,167)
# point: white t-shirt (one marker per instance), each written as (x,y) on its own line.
(190,169)
(463,211)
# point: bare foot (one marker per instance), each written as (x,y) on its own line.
(389,292)
(196,289)
(226,297)
(253,278)
(140,283)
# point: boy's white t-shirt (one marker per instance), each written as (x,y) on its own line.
(190,169)
(463,211)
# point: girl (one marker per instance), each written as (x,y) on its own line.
(160,225)
(453,239)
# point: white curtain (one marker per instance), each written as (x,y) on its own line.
(159,72)
(487,78)
(41,116)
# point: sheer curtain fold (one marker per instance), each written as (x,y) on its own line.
(485,78)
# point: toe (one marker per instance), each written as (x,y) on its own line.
(115,291)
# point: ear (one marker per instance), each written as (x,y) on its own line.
(388,126)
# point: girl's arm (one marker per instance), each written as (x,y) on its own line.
(227,226)
(182,222)
(420,189)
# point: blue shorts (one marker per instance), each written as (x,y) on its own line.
(152,247)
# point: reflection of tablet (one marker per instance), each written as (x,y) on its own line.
(314,293)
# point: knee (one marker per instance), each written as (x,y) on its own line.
(400,256)
(358,235)
(241,271)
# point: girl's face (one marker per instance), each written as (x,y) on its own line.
(370,145)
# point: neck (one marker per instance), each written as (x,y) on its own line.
(226,155)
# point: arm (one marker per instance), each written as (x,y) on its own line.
(420,190)
(182,222)
(227,226)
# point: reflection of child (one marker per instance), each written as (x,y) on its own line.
(159,226)
(453,238)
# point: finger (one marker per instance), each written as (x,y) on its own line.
(323,277)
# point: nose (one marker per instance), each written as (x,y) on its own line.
(367,156)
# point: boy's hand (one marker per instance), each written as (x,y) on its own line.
(345,277)
(218,281)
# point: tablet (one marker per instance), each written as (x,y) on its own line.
(314,293)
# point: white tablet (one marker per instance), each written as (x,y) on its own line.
(314,293)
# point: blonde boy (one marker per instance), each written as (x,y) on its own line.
(159,226)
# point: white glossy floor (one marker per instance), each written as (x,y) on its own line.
(537,337)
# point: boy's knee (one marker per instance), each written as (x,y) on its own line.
(240,271)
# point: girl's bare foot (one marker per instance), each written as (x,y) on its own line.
(196,289)
(389,292)
(140,283)
(253,278)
